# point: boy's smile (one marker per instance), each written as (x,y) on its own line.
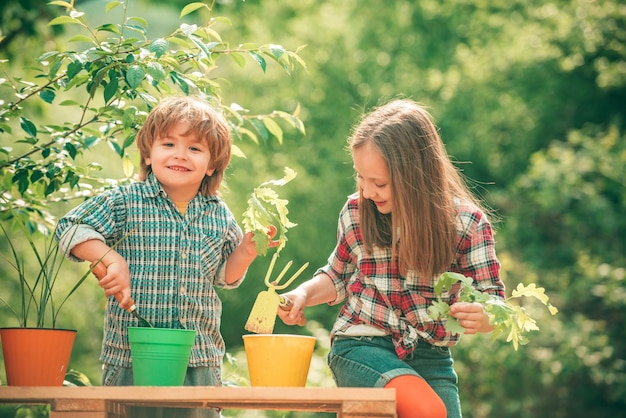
(180,160)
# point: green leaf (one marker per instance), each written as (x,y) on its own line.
(61,3)
(198,42)
(156,71)
(258,58)
(112,4)
(143,22)
(135,76)
(453,325)
(28,127)
(266,208)
(260,128)
(63,20)
(190,8)
(277,51)
(158,47)
(109,27)
(110,89)
(47,95)
(180,81)
(128,166)
(273,128)
(238,58)
(82,38)
(73,68)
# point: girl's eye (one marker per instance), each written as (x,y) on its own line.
(380,186)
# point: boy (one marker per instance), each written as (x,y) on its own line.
(180,241)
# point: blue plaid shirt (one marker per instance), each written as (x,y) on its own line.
(375,294)
(175,262)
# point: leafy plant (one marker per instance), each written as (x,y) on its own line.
(37,299)
(266,208)
(108,85)
(37,272)
(507,318)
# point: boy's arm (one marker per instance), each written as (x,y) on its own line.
(117,278)
(240,259)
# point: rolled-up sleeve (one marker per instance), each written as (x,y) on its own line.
(74,235)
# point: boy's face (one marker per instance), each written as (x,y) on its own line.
(180,162)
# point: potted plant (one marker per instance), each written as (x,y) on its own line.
(36,352)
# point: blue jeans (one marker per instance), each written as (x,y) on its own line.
(196,376)
(373,362)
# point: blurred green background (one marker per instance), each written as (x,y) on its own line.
(530,98)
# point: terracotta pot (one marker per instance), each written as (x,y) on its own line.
(36,356)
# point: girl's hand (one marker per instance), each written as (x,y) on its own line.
(295,314)
(471,316)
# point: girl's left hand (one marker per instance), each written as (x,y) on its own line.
(471,316)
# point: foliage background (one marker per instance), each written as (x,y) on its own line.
(530,100)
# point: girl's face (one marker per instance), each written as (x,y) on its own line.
(180,162)
(373,176)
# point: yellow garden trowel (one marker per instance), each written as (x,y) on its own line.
(263,314)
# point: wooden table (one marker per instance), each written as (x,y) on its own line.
(112,402)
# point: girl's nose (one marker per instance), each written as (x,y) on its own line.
(366,191)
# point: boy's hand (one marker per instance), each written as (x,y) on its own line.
(271,233)
(250,247)
(114,282)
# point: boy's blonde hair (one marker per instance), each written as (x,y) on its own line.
(424,186)
(204,122)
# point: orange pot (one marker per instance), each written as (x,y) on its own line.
(36,356)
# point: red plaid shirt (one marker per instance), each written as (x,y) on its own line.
(376,294)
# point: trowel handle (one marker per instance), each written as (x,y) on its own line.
(286,305)
(99,270)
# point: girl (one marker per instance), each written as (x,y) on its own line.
(411,219)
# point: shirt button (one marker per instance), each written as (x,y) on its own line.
(182,290)
(183,255)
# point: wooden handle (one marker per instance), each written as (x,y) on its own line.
(99,270)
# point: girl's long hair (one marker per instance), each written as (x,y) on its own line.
(203,121)
(421,229)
